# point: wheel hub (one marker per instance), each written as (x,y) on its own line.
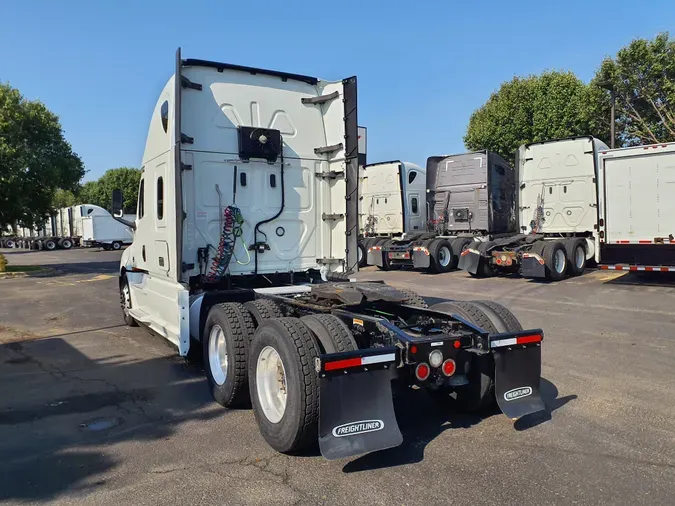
(218,355)
(444,256)
(271,384)
(580,257)
(559,261)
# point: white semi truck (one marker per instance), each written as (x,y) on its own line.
(392,199)
(245,234)
(580,202)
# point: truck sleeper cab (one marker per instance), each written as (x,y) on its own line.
(557,214)
(245,233)
(469,195)
(392,196)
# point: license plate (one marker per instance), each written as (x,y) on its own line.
(399,256)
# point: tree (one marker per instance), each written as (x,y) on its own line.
(35,159)
(643,78)
(126,179)
(553,105)
(63,198)
(89,193)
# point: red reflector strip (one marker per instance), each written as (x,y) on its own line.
(623,242)
(647,268)
(645,242)
(343,364)
(528,339)
(359,361)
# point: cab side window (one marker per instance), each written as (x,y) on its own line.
(160,198)
(141,199)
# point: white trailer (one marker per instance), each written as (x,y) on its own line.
(245,235)
(105,231)
(636,208)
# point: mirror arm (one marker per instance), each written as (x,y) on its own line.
(130,224)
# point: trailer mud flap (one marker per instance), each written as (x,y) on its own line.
(357,412)
(469,261)
(421,259)
(518,373)
(375,257)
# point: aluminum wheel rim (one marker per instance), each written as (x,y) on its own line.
(270,376)
(126,297)
(579,257)
(444,256)
(559,261)
(360,254)
(217,355)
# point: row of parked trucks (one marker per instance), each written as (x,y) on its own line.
(84,225)
(567,204)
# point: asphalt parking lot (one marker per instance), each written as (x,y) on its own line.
(94,412)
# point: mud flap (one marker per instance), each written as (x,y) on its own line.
(531,267)
(469,261)
(356,413)
(517,381)
(518,372)
(421,260)
(375,257)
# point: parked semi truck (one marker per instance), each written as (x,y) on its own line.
(392,199)
(469,195)
(245,235)
(557,214)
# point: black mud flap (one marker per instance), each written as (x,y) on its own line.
(469,261)
(356,411)
(518,376)
(531,267)
(375,258)
(421,260)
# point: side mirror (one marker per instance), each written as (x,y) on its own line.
(117,203)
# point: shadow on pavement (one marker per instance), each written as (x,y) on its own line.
(549,394)
(70,407)
(658,279)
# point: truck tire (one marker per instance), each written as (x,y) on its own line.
(441,257)
(125,300)
(50,244)
(116,245)
(485,267)
(363,255)
(332,334)
(575,250)
(480,391)
(262,309)
(413,298)
(66,244)
(225,342)
(555,260)
(386,264)
(509,321)
(9,243)
(459,245)
(283,384)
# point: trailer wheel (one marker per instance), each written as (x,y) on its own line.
(225,342)
(50,245)
(125,300)
(9,243)
(106,247)
(413,298)
(66,244)
(363,255)
(575,250)
(480,392)
(332,334)
(442,259)
(283,384)
(262,309)
(555,260)
(116,245)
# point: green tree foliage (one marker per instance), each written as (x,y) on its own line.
(99,192)
(643,77)
(552,105)
(63,198)
(35,159)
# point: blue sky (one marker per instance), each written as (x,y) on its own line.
(423,66)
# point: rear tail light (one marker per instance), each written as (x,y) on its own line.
(422,372)
(435,358)
(601,222)
(449,367)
